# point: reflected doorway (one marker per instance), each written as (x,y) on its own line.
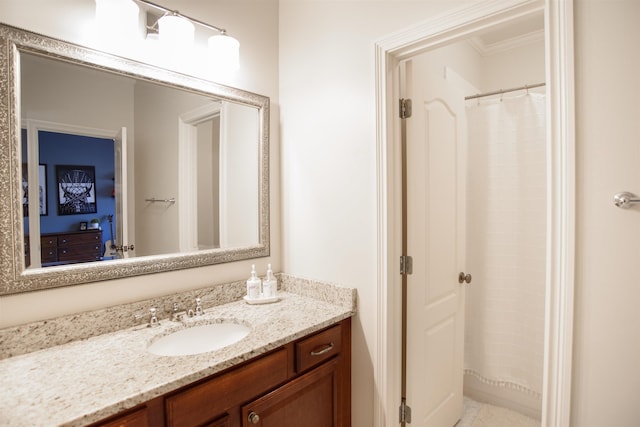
(73,172)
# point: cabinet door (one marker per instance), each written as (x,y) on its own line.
(223,394)
(310,400)
(220,422)
(137,418)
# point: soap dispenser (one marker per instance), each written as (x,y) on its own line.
(270,284)
(253,284)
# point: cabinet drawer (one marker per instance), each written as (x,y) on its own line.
(137,418)
(213,398)
(48,242)
(79,253)
(79,239)
(318,348)
(49,254)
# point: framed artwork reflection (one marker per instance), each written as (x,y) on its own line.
(42,184)
(76,189)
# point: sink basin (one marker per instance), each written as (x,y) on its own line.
(198,339)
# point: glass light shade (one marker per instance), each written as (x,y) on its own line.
(225,51)
(118,18)
(176,31)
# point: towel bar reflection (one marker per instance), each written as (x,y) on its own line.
(171,201)
(625,200)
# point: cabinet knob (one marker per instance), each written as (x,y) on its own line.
(253,418)
(462,278)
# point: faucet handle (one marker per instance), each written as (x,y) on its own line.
(199,310)
(153,320)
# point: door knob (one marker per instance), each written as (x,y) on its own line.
(462,278)
(253,418)
(625,200)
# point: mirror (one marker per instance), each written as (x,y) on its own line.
(138,169)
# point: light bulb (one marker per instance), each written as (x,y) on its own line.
(176,31)
(225,52)
(118,18)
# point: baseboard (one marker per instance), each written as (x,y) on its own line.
(515,400)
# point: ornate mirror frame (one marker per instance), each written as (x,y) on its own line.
(14,278)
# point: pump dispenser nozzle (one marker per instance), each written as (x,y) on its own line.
(253,284)
(270,284)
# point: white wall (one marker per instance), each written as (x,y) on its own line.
(156,140)
(239,178)
(255,25)
(53,90)
(329,154)
(606,375)
(329,198)
(514,68)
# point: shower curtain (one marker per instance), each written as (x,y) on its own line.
(506,229)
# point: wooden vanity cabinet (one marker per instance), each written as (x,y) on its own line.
(304,383)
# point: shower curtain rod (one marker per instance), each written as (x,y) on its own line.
(501,91)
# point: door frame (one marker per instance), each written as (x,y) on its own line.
(453,25)
(188,174)
(34,126)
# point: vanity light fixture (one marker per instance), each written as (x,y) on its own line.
(173,29)
(177,30)
(120,14)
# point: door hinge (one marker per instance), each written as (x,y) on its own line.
(405,108)
(406,264)
(405,413)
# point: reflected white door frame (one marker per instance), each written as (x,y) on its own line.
(188,173)
(33,127)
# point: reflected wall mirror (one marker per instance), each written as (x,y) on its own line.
(135,169)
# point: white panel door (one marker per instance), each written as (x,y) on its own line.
(436,135)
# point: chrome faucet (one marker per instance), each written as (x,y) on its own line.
(177,315)
(153,319)
(199,310)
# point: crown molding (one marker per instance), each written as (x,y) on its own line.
(488,49)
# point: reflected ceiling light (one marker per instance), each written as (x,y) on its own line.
(178,30)
(118,17)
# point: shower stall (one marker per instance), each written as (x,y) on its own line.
(506,249)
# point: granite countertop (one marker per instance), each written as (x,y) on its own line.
(85,381)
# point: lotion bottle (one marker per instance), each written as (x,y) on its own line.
(253,284)
(270,284)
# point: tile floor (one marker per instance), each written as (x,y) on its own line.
(478,414)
